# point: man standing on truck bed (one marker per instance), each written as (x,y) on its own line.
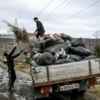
(40,29)
(10,63)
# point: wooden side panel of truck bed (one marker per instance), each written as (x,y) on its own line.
(47,75)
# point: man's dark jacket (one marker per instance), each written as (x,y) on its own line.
(40,27)
(10,61)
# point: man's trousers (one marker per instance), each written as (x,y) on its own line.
(12,76)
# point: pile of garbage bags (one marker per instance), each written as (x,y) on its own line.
(57,51)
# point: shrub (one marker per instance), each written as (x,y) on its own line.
(97,50)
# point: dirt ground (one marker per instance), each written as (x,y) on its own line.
(23,89)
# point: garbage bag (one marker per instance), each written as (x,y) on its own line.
(37,50)
(72,41)
(55,48)
(78,42)
(64,57)
(68,43)
(52,41)
(58,40)
(47,38)
(46,59)
(75,57)
(80,51)
(61,61)
(90,57)
(84,57)
(39,44)
(66,38)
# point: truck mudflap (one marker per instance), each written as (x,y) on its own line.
(83,85)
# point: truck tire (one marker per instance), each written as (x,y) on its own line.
(75,91)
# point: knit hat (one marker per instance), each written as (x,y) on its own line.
(5,54)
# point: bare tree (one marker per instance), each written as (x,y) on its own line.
(96,35)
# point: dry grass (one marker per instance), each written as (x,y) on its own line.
(2,60)
(25,68)
(20,34)
(96,90)
(22,66)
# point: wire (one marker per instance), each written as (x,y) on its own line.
(29,24)
(55,9)
(23,9)
(40,12)
(20,8)
(45,8)
(74,14)
(59,10)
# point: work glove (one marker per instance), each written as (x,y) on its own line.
(21,51)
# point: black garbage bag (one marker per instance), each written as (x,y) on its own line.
(62,61)
(47,38)
(55,48)
(80,51)
(84,57)
(75,57)
(62,57)
(72,41)
(37,50)
(68,43)
(90,57)
(79,42)
(58,40)
(52,41)
(66,38)
(46,59)
(39,44)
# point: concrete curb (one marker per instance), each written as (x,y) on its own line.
(6,68)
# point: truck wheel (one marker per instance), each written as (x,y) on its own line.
(75,91)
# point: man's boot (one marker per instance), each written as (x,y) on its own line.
(10,89)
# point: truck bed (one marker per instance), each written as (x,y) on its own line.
(53,74)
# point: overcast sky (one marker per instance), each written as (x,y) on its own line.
(81,25)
